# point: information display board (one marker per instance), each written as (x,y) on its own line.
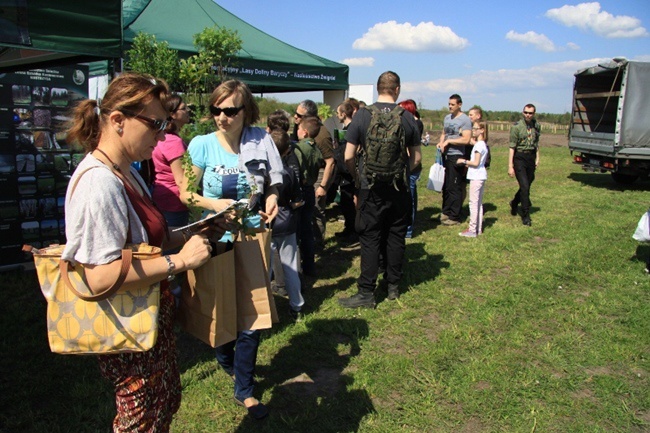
(35,160)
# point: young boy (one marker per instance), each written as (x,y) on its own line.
(285,224)
(310,159)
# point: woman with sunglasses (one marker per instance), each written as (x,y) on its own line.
(168,165)
(111,206)
(231,163)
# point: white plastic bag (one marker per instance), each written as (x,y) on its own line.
(642,233)
(436,174)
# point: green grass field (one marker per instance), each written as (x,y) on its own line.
(542,329)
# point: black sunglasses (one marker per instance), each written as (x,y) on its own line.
(155,124)
(529,112)
(228,111)
(299,116)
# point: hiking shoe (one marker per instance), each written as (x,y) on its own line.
(450,222)
(358,300)
(345,233)
(351,238)
(513,208)
(393,292)
(467,234)
(526,221)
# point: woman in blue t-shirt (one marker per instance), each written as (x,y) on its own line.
(231,163)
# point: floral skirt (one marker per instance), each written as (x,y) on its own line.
(147,384)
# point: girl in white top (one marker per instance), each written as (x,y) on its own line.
(477,175)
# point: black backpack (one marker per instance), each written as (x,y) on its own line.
(488,157)
(384,156)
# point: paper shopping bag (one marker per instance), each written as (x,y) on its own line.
(263,237)
(255,306)
(208,306)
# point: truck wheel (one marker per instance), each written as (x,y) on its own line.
(624,179)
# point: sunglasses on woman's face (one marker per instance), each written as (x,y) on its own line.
(155,124)
(228,111)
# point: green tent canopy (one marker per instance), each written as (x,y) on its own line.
(265,63)
(38,33)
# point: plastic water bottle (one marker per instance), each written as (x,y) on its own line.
(426,139)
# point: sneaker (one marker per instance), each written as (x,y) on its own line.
(295,315)
(467,234)
(513,208)
(450,222)
(443,217)
(526,221)
(393,292)
(358,300)
(278,290)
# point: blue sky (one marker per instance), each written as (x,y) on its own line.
(500,55)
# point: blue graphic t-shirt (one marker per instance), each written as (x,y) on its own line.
(222,177)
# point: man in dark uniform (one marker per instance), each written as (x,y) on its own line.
(523,160)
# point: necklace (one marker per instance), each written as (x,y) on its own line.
(115,166)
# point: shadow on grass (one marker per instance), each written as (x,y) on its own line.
(604,180)
(309,383)
(43,391)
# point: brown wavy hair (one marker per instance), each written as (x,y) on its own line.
(129,91)
(231,87)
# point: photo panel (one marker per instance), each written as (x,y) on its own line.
(21,94)
(42,117)
(7,164)
(25,142)
(50,229)
(22,118)
(25,163)
(9,210)
(28,208)
(59,97)
(41,95)
(47,207)
(30,230)
(46,184)
(27,185)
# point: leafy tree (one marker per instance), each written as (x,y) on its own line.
(149,56)
(216,47)
(324,111)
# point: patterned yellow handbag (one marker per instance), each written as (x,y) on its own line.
(82,322)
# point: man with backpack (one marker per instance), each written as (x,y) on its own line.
(384,131)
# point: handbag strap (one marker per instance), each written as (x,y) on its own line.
(438,156)
(127,257)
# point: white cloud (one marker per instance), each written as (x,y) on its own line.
(359,61)
(548,75)
(537,40)
(589,16)
(393,36)
(572,46)
(643,58)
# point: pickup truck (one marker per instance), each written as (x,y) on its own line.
(610,125)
